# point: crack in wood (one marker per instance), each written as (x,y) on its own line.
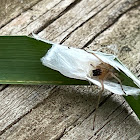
(97,131)
(115,110)
(60,135)
(52,90)
(91,40)
(64,39)
(87,115)
(119,125)
(4,87)
(30,34)
(58,16)
(101,103)
(24,10)
(73,124)
(14,122)
(113,21)
(90,138)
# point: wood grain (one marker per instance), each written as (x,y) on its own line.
(12,9)
(66,112)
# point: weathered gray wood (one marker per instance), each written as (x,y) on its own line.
(101,16)
(11,9)
(16,101)
(8,117)
(115,123)
(41,15)
(125,35)
(39,112)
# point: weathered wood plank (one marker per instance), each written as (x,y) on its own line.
(8,116)
(61,109)
(115,123)
(75,112)
(40,16)
(16,101)
(125,35)
(99,18)
(73,19)
(11,9)
(67,108)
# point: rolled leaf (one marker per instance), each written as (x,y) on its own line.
(20,64)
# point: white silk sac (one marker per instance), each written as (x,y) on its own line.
(76,63)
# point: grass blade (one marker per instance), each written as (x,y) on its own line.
(20,63)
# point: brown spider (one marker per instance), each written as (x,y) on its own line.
(102,72)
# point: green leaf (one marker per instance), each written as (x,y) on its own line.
(134,102)
(20,63)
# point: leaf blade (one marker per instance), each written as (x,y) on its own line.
(20,63)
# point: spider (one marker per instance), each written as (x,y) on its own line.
(102,72)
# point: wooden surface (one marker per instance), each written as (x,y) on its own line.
(66,112)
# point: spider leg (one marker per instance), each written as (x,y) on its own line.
(97,57)
(113,75)
(98,101)
(89,86)
(99,97)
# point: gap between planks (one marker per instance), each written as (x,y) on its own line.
(88,44)
(52,90)
(24,10)
(46,24)
(69,7)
